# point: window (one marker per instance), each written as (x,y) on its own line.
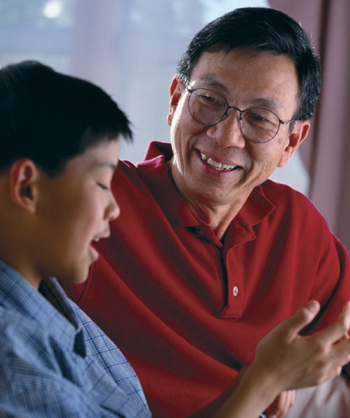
(128,47)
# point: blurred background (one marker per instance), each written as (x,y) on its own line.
(131,49)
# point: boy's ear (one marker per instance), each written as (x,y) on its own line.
(23,184)
(176,89)
(299,133)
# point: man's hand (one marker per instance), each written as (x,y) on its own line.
(285,360)
(281,405)
(294,361)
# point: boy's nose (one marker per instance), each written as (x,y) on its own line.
(113,210)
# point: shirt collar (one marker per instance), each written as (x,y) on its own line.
(49,306)
(153,170)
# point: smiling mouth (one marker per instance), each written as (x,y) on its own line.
(216,165)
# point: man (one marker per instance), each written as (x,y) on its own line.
(211,255)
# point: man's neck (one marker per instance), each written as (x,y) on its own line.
(218,217)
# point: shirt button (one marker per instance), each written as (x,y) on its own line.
(235,291)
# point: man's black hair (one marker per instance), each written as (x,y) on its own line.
(263,30)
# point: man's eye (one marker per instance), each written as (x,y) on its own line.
(208,98)
(210,102)
(257,117)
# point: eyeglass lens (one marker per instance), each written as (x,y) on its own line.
(208,108)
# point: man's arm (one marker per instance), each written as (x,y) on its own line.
(285,360)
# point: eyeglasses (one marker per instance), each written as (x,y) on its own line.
(257,124)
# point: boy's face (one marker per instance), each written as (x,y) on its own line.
(74,210)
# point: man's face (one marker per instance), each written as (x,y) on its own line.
(245,80)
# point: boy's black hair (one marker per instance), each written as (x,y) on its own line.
(51,117)
(263,30)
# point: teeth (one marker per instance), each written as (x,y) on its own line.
(217,165)
(96,239)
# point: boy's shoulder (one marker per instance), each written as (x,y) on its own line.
(30,337)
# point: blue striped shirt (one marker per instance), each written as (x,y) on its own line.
(55,362)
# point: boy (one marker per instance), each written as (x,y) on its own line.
(58,151)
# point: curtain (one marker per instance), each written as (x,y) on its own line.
(326,151)
(96,27)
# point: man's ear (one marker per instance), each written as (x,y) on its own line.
(176,89)
(23,184)
(299,133)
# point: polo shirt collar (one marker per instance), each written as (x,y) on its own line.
(153,170)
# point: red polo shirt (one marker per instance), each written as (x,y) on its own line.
(188,310)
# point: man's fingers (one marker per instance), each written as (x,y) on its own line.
(341,352)
(307,313)
(299,361)
(338,330)
(345,316)
(300,319)
(282,404)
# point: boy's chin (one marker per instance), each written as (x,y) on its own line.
(78,276)
(82,278)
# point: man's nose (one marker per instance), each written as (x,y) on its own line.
(227,132)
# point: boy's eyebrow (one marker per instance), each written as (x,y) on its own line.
(107,164)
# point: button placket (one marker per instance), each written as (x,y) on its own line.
(235,289)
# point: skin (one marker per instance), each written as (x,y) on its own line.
(217,196)
(50,224)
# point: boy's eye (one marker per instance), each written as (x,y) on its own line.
(103,186)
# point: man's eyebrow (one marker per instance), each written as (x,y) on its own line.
(266,102)
(211,81)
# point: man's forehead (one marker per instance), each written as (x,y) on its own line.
(259,76)
(243,56)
